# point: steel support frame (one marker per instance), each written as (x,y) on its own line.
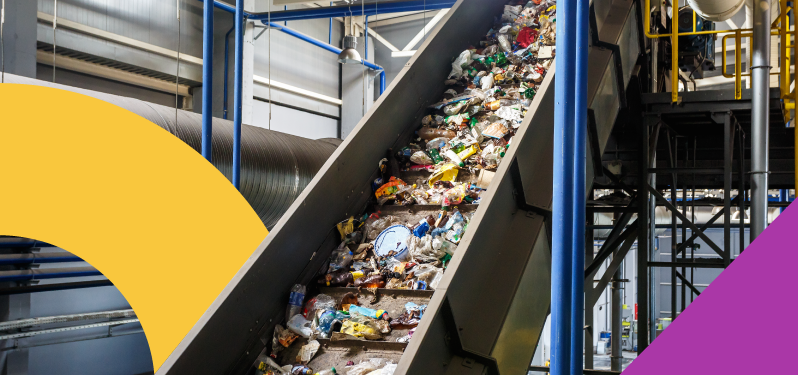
(734,138)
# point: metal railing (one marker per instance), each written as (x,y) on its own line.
(780,28)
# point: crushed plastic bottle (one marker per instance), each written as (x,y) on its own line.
(295,301)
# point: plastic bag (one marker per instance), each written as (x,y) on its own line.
(327,319)
(299,325)
(365,367)
(340,259)
(487,81)
(389,369)
(388,191)
(268,364)
(368,331)
(447,172)
(429,274)
(307,352)
(437,143)
(421,249)
(421,158)
(510,113)
(454,195)
(320,302)
(495,130)
(282,338)
(457,66)
(377,224)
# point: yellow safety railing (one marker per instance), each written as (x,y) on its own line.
(780,28)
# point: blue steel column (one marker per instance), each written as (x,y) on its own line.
(238,81)
(207,78)
(579,202)
(382,82)
(562,212)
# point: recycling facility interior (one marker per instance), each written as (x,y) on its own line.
(436,124)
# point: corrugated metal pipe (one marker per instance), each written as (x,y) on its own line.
(275,167)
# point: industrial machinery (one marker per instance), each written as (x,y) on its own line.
(488,312)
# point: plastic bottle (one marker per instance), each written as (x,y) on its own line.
(371,313)
(295,301)
(428,133)
(487,82)
(435,155)
(331,371)
(454,158)
(370,281)
(301,370)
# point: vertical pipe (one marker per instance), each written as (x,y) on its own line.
(741,188)
(226,69)
(684,227)
(728,148)
(329,41)
(382,82)
(616,358)
(760,109)
(588,288)
(366,36)
(207,78)
(643,197)
(675,52)
(579,194)
(563,182)
(674,229)
(652,233)
(238,82)
(285,7)
(783,198)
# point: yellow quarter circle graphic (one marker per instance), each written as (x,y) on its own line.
(165,226)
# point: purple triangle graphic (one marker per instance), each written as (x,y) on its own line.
(743,322)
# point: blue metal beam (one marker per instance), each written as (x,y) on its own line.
(238,83)
(579,198)
(355,10)
(562,205)
(207,78)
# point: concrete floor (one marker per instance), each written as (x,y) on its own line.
(602,361)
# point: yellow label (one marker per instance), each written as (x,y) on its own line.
(357,274)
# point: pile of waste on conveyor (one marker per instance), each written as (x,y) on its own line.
(458,147)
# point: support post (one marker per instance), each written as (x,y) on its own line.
(644,320)
(238,68)
(588,287)
(741,187)
(617,355)
(562,212)
(760,110)
(728,150)
(579,196)
(207,78)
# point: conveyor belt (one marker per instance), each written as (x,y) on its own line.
(487,314)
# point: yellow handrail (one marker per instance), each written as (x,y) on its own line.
(781,31)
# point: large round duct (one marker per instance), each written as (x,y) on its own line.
(275,167)
(716,10)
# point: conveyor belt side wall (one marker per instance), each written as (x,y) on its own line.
(497,285)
